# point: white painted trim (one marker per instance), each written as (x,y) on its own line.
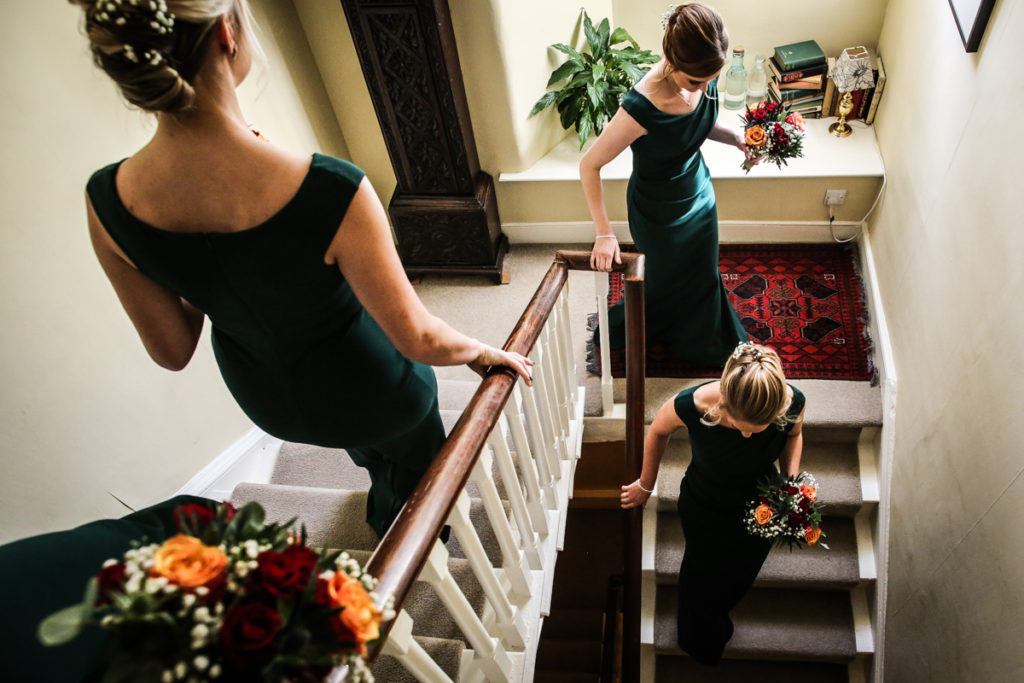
(739,232)
(868,460)
(885,362)
(862,621)
(250,459)
(868,568)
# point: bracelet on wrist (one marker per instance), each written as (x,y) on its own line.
(641,487)
(599,237)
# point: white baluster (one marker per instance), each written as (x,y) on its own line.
(565,335)
(535,494)
(507,469)
(546,403)
(547,459)
(509,622)
(488,653)
(512,557)
(607,389)
(403,647)
(554,345)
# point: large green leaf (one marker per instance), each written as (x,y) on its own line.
(570,111)
(603,31)
(568,69)
(592,40)
(584,127)
(544,102)
(61,627)
(565,49)
(621,35)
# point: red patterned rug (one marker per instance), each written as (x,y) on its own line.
(804,300)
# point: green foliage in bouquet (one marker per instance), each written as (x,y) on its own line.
(787,510)
(595,79)
(230,598)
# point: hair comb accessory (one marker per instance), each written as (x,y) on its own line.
(119,11)
(666,16)
(744,347)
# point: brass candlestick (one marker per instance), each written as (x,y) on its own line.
(839,128)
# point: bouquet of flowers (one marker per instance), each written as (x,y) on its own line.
(772,134)
(229,598)
(786,510)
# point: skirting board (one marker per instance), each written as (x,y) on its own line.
(737,232)
(250,459)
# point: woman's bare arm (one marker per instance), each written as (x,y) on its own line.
(168,326)
(665,424)
(365,253)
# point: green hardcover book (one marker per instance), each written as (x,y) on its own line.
(799,55)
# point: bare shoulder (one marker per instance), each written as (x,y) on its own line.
(707,396)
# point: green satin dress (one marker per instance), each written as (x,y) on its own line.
(721,559)
(674,222)
(296,348)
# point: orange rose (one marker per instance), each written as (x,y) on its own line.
(756,137)
(762,514)
(810,493)
(812,536)
(359,615)
(186,562)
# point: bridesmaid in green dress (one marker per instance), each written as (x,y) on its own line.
(739,427)
(673,219)
(316,329)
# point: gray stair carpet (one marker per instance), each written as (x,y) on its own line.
(834,464)
(830,403)
(808,567)
(447,654)
(774,624)
(685,670)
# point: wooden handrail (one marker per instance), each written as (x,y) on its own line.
(402,553)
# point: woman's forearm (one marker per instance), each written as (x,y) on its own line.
(654,450)
(725,134)
(789,461)
(590,179)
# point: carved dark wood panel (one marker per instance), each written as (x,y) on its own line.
(444,211)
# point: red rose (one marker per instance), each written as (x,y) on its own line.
(791,490)
(284,573)
(197,516)
(248,632)
(110,580)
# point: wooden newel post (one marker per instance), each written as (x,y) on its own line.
(633,518)
(444,209)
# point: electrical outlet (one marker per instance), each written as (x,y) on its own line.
(834,197)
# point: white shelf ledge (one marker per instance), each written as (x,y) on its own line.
(825,156)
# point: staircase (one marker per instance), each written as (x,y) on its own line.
(327,492)
(806,618)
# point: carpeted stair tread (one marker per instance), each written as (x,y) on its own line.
(576,656)
(573,623)
(334,518)
(815,568)
(454,394)
(685,670)
(774,624)
(834,465)
(447,653)
(830,403)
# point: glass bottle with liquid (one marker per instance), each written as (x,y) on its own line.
(757,83)
(736,81)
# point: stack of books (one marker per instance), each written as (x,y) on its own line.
(865,102)
(798,76)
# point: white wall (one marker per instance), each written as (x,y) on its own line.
(950,255)
(83,411)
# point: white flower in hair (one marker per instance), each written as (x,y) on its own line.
(668,15)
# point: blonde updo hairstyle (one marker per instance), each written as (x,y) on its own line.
(695,41)
(154,59)
(753,388)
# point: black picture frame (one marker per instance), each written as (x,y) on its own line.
(971,18)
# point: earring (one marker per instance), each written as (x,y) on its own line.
(234,50)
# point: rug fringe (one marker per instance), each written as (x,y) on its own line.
(865,318)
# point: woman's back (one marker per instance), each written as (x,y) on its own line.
(294,344)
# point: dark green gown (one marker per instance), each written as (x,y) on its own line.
(298,351)
(721,559)
(674,222)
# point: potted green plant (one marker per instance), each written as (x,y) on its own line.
(595,79)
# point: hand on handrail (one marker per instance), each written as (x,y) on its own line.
(490,356)
(606,250)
